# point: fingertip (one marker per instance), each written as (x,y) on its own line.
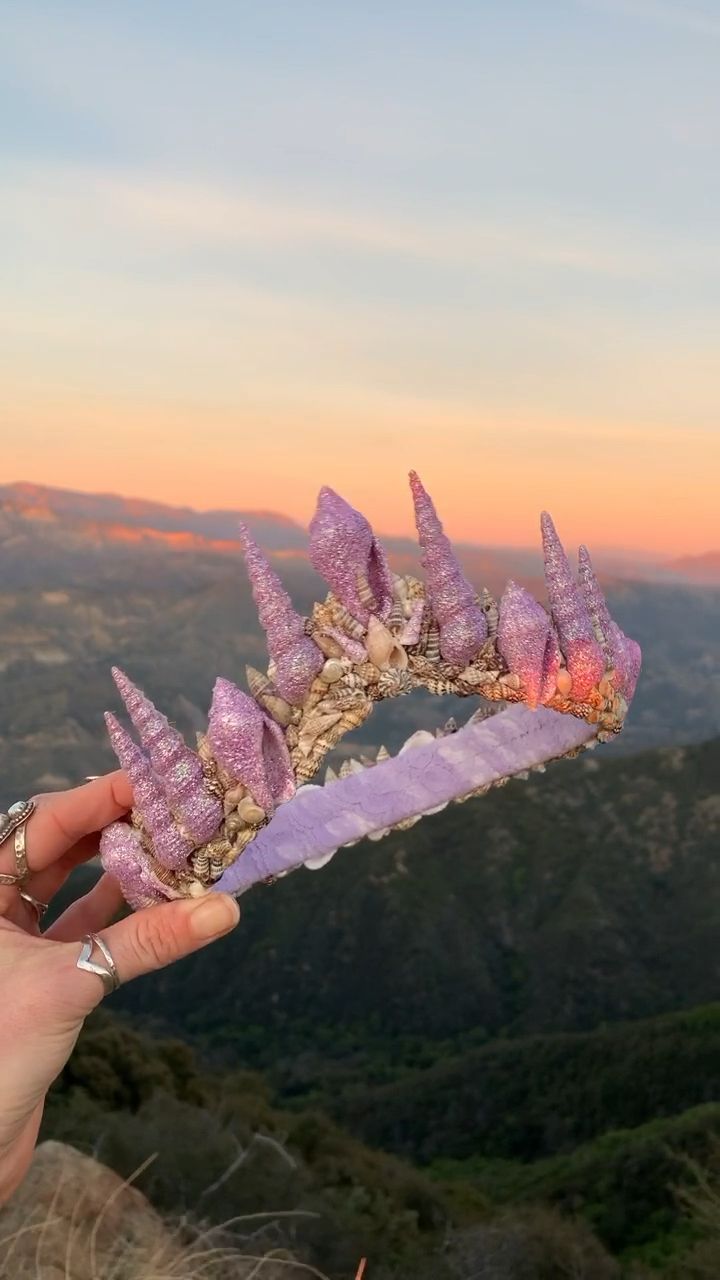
(213,915)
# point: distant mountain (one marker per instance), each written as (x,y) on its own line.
(110,518)
(79,593)
(98,515)
(705,568)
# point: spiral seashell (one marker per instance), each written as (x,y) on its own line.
(522,637)
(178,769)
(394,683)
(367,673)
(440,685)
(396,616)
(477,676)
(352,680)
(365,593)
(382,647)
(172,847)
(410,633)
(463,627)
(264,691)
(316,726)
(124,858)
(328,645)
(258,682)
(354,717)
(621,653)
(249,745)
(332,671)
(343,619)
(489,606)
(350,648)
(583,655)
(345,551)
(296,658)
(432,644)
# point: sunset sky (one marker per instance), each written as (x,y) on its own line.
(249,248)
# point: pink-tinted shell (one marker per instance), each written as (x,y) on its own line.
(345,551)
(297,659)
(583,655)
(523,632)
(249,746)
(177,768)
(462,623)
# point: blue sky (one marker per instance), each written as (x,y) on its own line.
(448,227)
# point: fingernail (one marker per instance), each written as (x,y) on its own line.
(213,915)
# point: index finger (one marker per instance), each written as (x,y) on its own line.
(62,818)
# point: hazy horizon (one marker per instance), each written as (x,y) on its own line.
(618,553)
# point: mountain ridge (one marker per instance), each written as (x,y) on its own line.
(94,515)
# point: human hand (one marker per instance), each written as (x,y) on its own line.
(44,997)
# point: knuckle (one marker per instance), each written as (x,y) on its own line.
(157,938)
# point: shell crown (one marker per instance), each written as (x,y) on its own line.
(242,807)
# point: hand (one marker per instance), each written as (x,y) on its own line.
(44,997)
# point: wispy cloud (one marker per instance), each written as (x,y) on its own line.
(196,214)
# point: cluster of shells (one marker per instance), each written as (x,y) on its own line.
(364,665)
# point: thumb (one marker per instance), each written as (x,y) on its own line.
(156,936)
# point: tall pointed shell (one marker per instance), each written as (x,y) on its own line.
(249,746)
(584,657)
(522,636)
(621,652)
(177,768)
(345,551)
(462,623)
(123,857)
(172,848)
(297,660)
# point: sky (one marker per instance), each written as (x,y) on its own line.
(252,248)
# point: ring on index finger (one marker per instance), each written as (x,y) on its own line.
(13,823)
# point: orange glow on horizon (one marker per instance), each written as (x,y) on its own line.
(605,485)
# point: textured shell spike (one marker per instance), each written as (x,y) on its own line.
(177,768)
(249,746)
(522,636)
(594,599)
(552,661)
(583,655)
(171,847)
(122,856)
(621,652)
(297,660)
(345,551)
(462,623)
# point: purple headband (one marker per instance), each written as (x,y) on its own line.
(242,808)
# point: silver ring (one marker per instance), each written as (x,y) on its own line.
(38,907)
(107,972)
(13,823)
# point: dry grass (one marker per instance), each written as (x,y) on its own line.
(73,1235)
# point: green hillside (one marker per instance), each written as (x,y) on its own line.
(586,895)
(541,1095)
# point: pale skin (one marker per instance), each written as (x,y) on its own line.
(44,997)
